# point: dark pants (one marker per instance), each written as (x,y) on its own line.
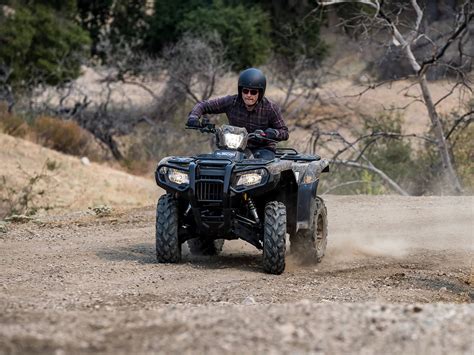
(262,153)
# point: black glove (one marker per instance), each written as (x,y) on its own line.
(193,121)
(259,134)
(271,133)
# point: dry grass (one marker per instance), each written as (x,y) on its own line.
(73,186)
(64,136)
(11,124)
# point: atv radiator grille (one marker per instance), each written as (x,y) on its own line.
(209,191)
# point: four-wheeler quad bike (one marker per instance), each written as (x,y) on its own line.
(229,194)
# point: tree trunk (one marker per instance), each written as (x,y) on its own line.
(443,150)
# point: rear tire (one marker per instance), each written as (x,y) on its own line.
(198,246)
(310,244)
(168,247)
(274,238)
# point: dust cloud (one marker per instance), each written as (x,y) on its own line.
(362,227)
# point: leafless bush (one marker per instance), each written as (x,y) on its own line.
(298,80)
(193,67)
(25,199)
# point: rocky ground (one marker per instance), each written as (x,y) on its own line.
(397,278)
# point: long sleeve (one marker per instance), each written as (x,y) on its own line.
(276,121)
(212,106)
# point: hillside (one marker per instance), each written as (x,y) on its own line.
(70,184)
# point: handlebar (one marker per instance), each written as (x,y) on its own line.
(261,137)
(207,127)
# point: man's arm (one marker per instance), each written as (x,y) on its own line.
(276,122)
(218,105)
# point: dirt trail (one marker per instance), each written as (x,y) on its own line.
(398,277)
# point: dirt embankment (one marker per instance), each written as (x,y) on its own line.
(70,185)
(397,278)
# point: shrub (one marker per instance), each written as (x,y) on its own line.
(65,136)
(38,43)
(25,198)
(244,30)
(412,167)
(12,124)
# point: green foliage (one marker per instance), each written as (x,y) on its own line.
(163,24)
(66,8)
(463,152)
(300,38)
(389,154)
(417,168)
(119,23)
(40,45)
(94,16)
(411,167)
(129,22)
(295,29)
(245,31)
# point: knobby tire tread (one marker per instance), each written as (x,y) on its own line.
(168,247)
(274,238)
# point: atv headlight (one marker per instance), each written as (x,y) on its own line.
(250,178)
(233,141)
(177,176)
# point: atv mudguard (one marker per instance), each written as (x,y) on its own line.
(307,191)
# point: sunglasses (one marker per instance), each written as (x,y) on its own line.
(252,92)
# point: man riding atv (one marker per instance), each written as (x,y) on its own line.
(259,197)
(249,109)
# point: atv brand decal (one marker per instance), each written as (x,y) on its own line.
(226,154)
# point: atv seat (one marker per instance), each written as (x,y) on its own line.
(292,154)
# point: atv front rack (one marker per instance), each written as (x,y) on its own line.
(292,154)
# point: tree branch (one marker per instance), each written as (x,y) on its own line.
(460,120)
(448,43)
(373,169)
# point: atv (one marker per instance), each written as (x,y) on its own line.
(229,194)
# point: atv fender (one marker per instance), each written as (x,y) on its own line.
(307,191)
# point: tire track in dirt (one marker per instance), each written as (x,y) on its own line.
(397,268)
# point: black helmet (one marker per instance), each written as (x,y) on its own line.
(253,79)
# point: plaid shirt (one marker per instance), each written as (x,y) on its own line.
(265,114)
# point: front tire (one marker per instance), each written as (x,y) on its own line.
(198,246)
(168,247)
(274,238)
(310,244)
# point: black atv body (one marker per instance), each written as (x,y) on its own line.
(228,194)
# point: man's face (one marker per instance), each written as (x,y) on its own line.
(250,96)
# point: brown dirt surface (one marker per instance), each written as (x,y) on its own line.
(397,278)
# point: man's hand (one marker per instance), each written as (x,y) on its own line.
(271,133)
(193,121)
(259,134)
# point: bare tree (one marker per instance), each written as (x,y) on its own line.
(405,35)
(297,79)
(193,67)
(352,152)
